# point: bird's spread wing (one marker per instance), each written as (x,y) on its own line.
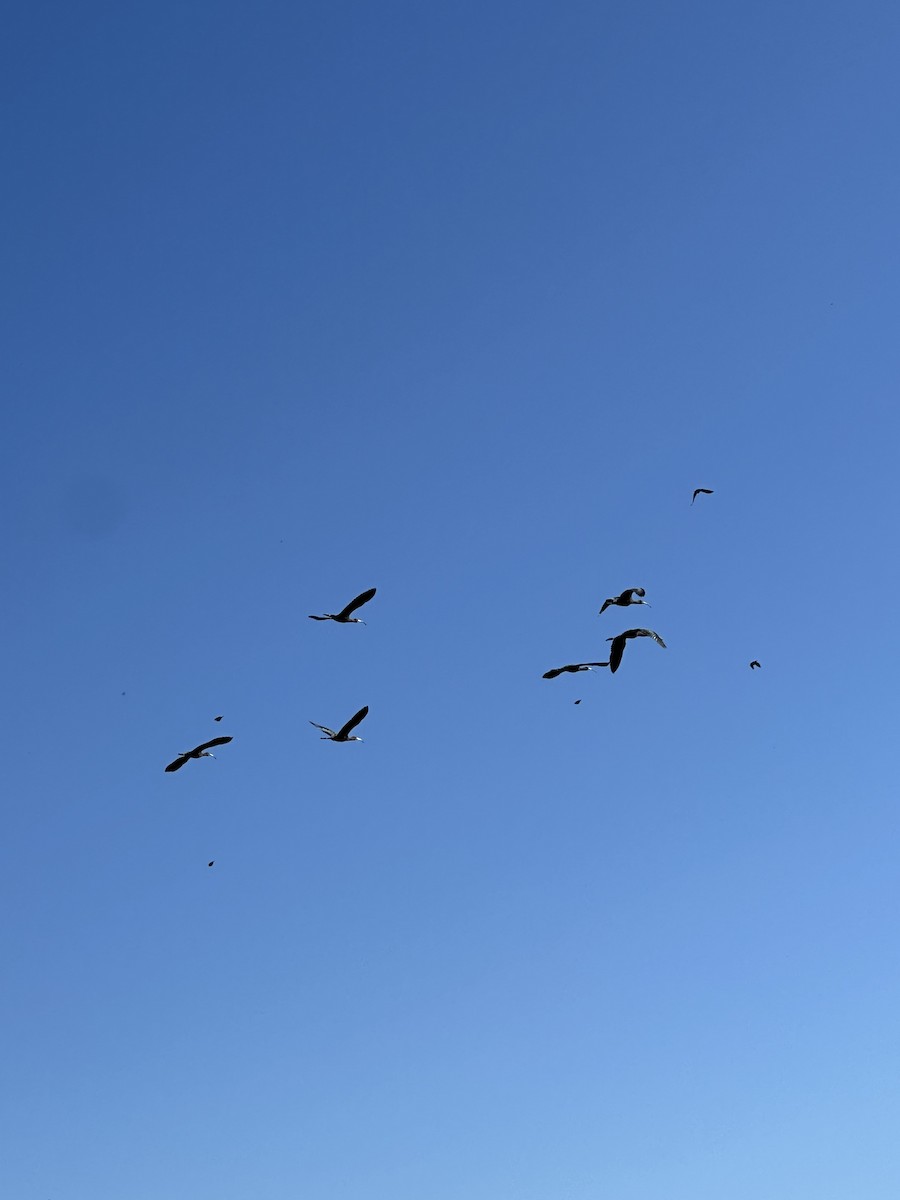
(633,633)
(638,591)
(353,722)
(701,492)
(572,667)
(324,728)
(312,618)
(616,651)
(219,741)
(361,599)
(606,604)
(178,763)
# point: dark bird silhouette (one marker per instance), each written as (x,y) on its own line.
(754,664)
(617,648)
(209,864)
(344,615)
(576,701)
(701,492)
(626,597)
(572,668)
(198,752)
(218,718)
(343,734)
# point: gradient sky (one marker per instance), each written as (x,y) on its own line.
(461,302)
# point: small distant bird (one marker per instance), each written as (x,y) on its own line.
(218,718)
(344,615)
(617,648)
(343,734)
(572,668)
(576,701)
(701,492)
(754,664)
(197,752)
(209,864)
(625,598)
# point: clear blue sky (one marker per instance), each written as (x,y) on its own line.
(459,301)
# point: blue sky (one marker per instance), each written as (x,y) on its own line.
(461,303)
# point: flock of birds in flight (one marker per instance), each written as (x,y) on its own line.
(625,599)
(617,649)
(344,734)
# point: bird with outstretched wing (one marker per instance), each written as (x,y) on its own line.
(201,751)
(625,598)
(344,617)
(343,734)
(572,668)
(617,649)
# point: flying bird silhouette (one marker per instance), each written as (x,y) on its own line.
(343,734)
(625,598)
(344,615)
(701,492)
(209,864)
(198,752)
(218,718)
(572,668)
(754,664)
(617,648)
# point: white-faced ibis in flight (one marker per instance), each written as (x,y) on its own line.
(701,492)
(197,752)
(572,668)
(343,617)
(754,664)
(625,598)
(343,734)
(617,648)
